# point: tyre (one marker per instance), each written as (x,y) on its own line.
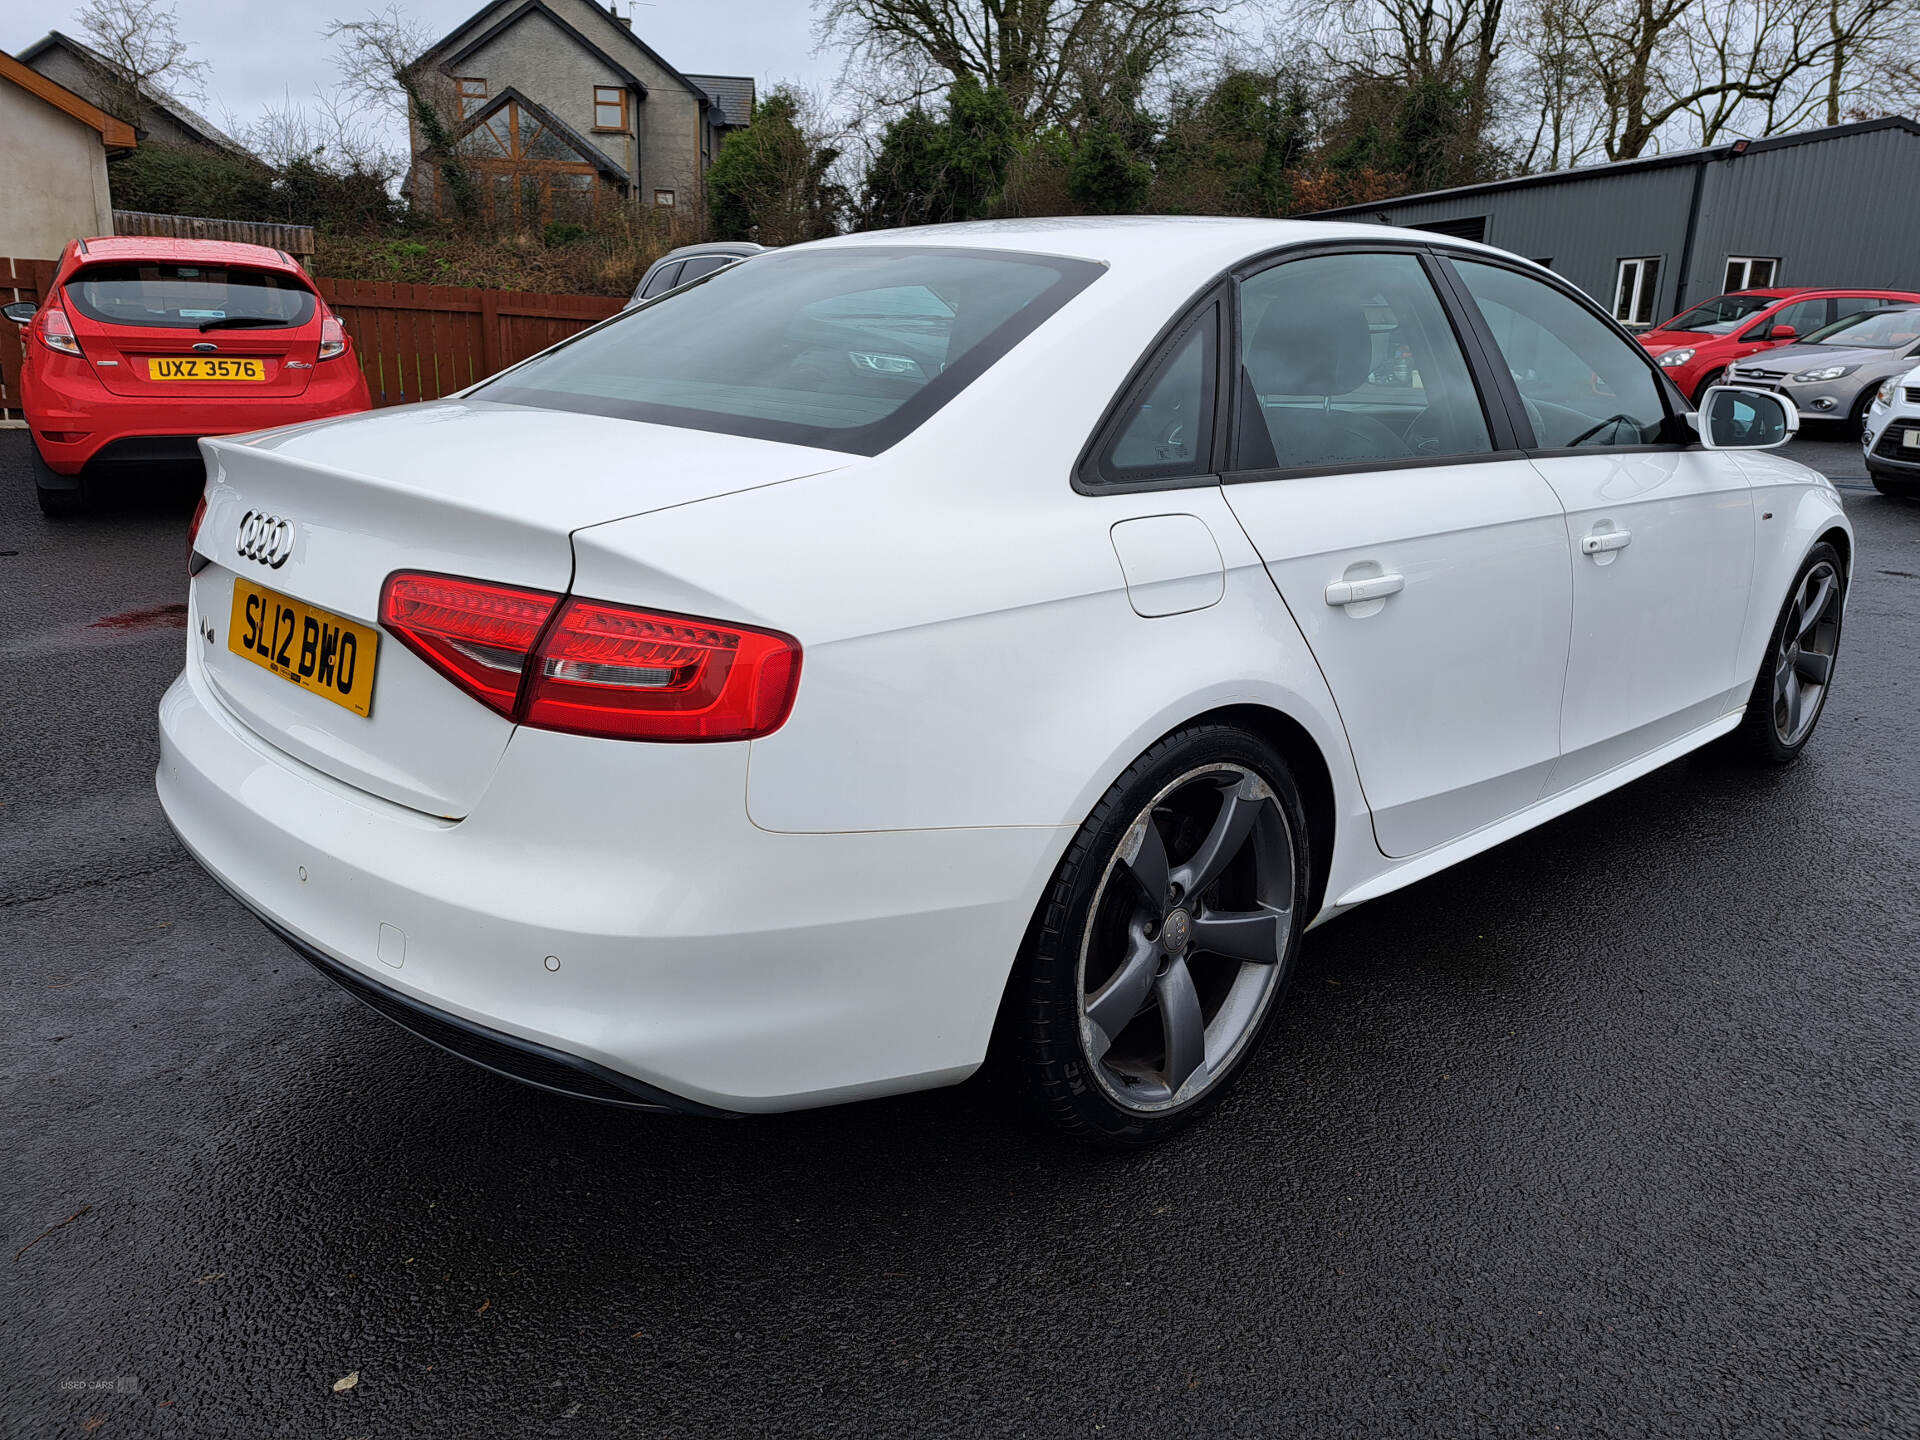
(1165,940)
(1857,417)
(1707,382)
(60,496)
(1797,669)
(1898,489)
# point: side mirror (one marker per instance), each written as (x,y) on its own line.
(20,312)
(1733,418)
(1783,332)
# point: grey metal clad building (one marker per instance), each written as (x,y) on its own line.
(1647,237)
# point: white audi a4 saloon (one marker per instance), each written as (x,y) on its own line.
(1014,633)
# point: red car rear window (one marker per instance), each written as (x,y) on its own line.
(172,296)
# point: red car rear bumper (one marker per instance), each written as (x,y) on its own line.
(56,403)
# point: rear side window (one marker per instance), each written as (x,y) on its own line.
(190,297)
(1584,384)
(843,348)
(1168,432)
(703,265)
(662,280)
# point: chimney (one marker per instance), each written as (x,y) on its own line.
(626,20)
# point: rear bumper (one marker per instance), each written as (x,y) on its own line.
(113,426)
(610,908)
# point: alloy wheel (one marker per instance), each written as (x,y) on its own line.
(1803,664)
(1186,939)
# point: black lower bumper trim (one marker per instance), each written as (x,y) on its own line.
(523,1060)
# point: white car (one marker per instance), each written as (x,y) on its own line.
(759,699)
(1890,437)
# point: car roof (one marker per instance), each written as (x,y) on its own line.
(1794,292)
(164,248)
(1142,243)
(712,247)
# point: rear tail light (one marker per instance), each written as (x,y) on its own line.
(56,333)
(587,667)
(194,563)
(333,338)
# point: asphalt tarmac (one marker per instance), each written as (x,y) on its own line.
(1612,1131)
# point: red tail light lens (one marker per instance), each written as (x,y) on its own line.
(587,667)
(194,563)
(56,333)
(477,635)
(333,338)
(623,673)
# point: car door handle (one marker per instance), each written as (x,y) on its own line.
(1602,541)
(1374,587)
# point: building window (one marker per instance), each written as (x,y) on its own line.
(1746,272)
(663,198)
(473,95)
(609,108)
(1637,291)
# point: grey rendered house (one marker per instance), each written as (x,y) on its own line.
(562,112)
(1832,207)
(162,118)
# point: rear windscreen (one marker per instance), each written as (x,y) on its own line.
(190,297)
(845,349)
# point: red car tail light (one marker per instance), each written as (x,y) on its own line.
(194,563)
(628,674)
(333,338)
(55,331)
(478,635)
(587,667)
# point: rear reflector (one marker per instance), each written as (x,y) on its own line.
(588,667)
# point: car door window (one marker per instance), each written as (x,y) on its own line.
(1346,359)
(661,280)
(1168,431)
(1584,385)
(1805,316)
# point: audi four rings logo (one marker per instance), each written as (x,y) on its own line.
(266,538)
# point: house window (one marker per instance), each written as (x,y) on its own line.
(609,108)
(663,198)
(473,94)
(526,172)
(1746,272)
(1637,291)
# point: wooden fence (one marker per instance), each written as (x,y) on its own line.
(296,240)
(419,342)
(413,342)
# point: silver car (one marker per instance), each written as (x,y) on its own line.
(689,263)
(1833,373)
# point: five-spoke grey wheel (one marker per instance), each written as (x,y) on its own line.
(1804,655)
(1183,947)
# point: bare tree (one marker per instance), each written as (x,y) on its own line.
(140,42)
(380,64)
(901,51)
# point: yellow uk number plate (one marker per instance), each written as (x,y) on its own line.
(313,648)
(197,367)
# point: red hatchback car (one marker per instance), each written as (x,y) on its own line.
(1696,348)
(142,345)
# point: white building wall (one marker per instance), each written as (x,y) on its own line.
(53,177)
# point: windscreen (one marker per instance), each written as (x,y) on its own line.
(1718,317)
(844,349)
(190,297)
(1870,330)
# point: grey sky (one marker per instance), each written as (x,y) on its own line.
(258,53)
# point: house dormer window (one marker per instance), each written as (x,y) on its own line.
(473,95)
(609,108)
